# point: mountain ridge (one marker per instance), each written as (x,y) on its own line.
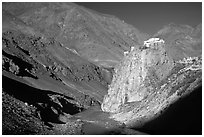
(70,57)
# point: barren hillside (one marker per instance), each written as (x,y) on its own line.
(67,69)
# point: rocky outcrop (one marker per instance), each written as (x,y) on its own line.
(147,80)
(131,82)
(60,59)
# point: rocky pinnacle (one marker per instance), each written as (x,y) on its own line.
(147,81)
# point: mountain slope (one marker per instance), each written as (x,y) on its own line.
(62,53)
(62,62)
(182,40)
(100,39)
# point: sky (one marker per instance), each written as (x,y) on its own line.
(150,17)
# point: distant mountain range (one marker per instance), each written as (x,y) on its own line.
(58,61)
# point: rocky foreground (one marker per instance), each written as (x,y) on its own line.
(70,70)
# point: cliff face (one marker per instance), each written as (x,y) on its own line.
(131,82)
(147,81)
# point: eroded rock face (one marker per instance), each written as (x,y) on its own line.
(133,81)
(147,81)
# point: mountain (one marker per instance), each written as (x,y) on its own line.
(181,40)
(63,65)
(59,57)
(101,39)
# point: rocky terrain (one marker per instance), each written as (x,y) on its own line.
(147,81)
(68,70)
